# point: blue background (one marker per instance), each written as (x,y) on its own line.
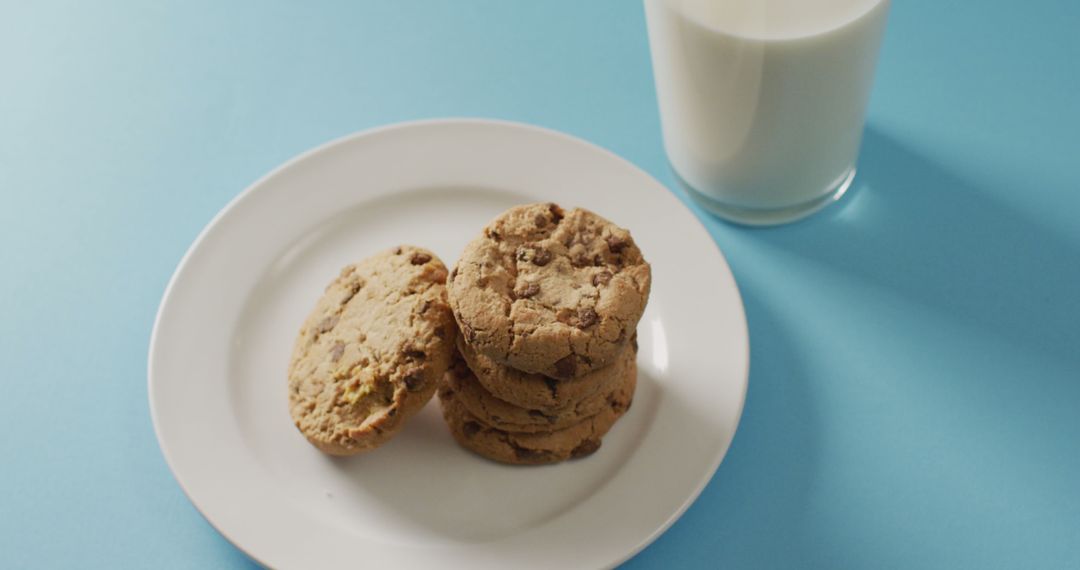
(915,381)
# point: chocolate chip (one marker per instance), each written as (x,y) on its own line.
(529,290)
(540,220)
(470,428)
(327,324)
(602,278)
(353,290)
(556,212)
(541,257)
(553,386)
(566,366)
(541,415)
(526,453)
(493,234)
(580,260)
(397,250)
(587,447)
(336,351)
(617,243)
(587,318)
(414,380)
(419,258)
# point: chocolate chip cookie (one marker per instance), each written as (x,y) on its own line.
(372,351)
(577,440)
(548,291)
(505,416)
(548,396)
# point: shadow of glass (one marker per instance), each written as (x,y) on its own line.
(917,230)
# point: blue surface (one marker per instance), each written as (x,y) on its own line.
(915,380)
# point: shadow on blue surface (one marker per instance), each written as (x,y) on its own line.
(931,237)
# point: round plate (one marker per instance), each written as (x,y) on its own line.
(225,328)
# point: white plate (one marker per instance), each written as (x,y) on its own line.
(226,324)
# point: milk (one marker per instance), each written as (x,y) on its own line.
(763,101)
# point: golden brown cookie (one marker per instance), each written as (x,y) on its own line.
(372,351)
(548,396)
(506,416)
(577,440)
(550,292)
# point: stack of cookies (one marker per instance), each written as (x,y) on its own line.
(547,302)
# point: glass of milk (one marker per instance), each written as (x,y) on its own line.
(763,101)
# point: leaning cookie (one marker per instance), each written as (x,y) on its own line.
(537,392)
(577,440)
(550,292)
(372,351)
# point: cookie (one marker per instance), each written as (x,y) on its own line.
(550,292)
(577,440)
(372,351)
(537,392)
(505,416)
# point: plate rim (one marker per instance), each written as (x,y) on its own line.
(464,121)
